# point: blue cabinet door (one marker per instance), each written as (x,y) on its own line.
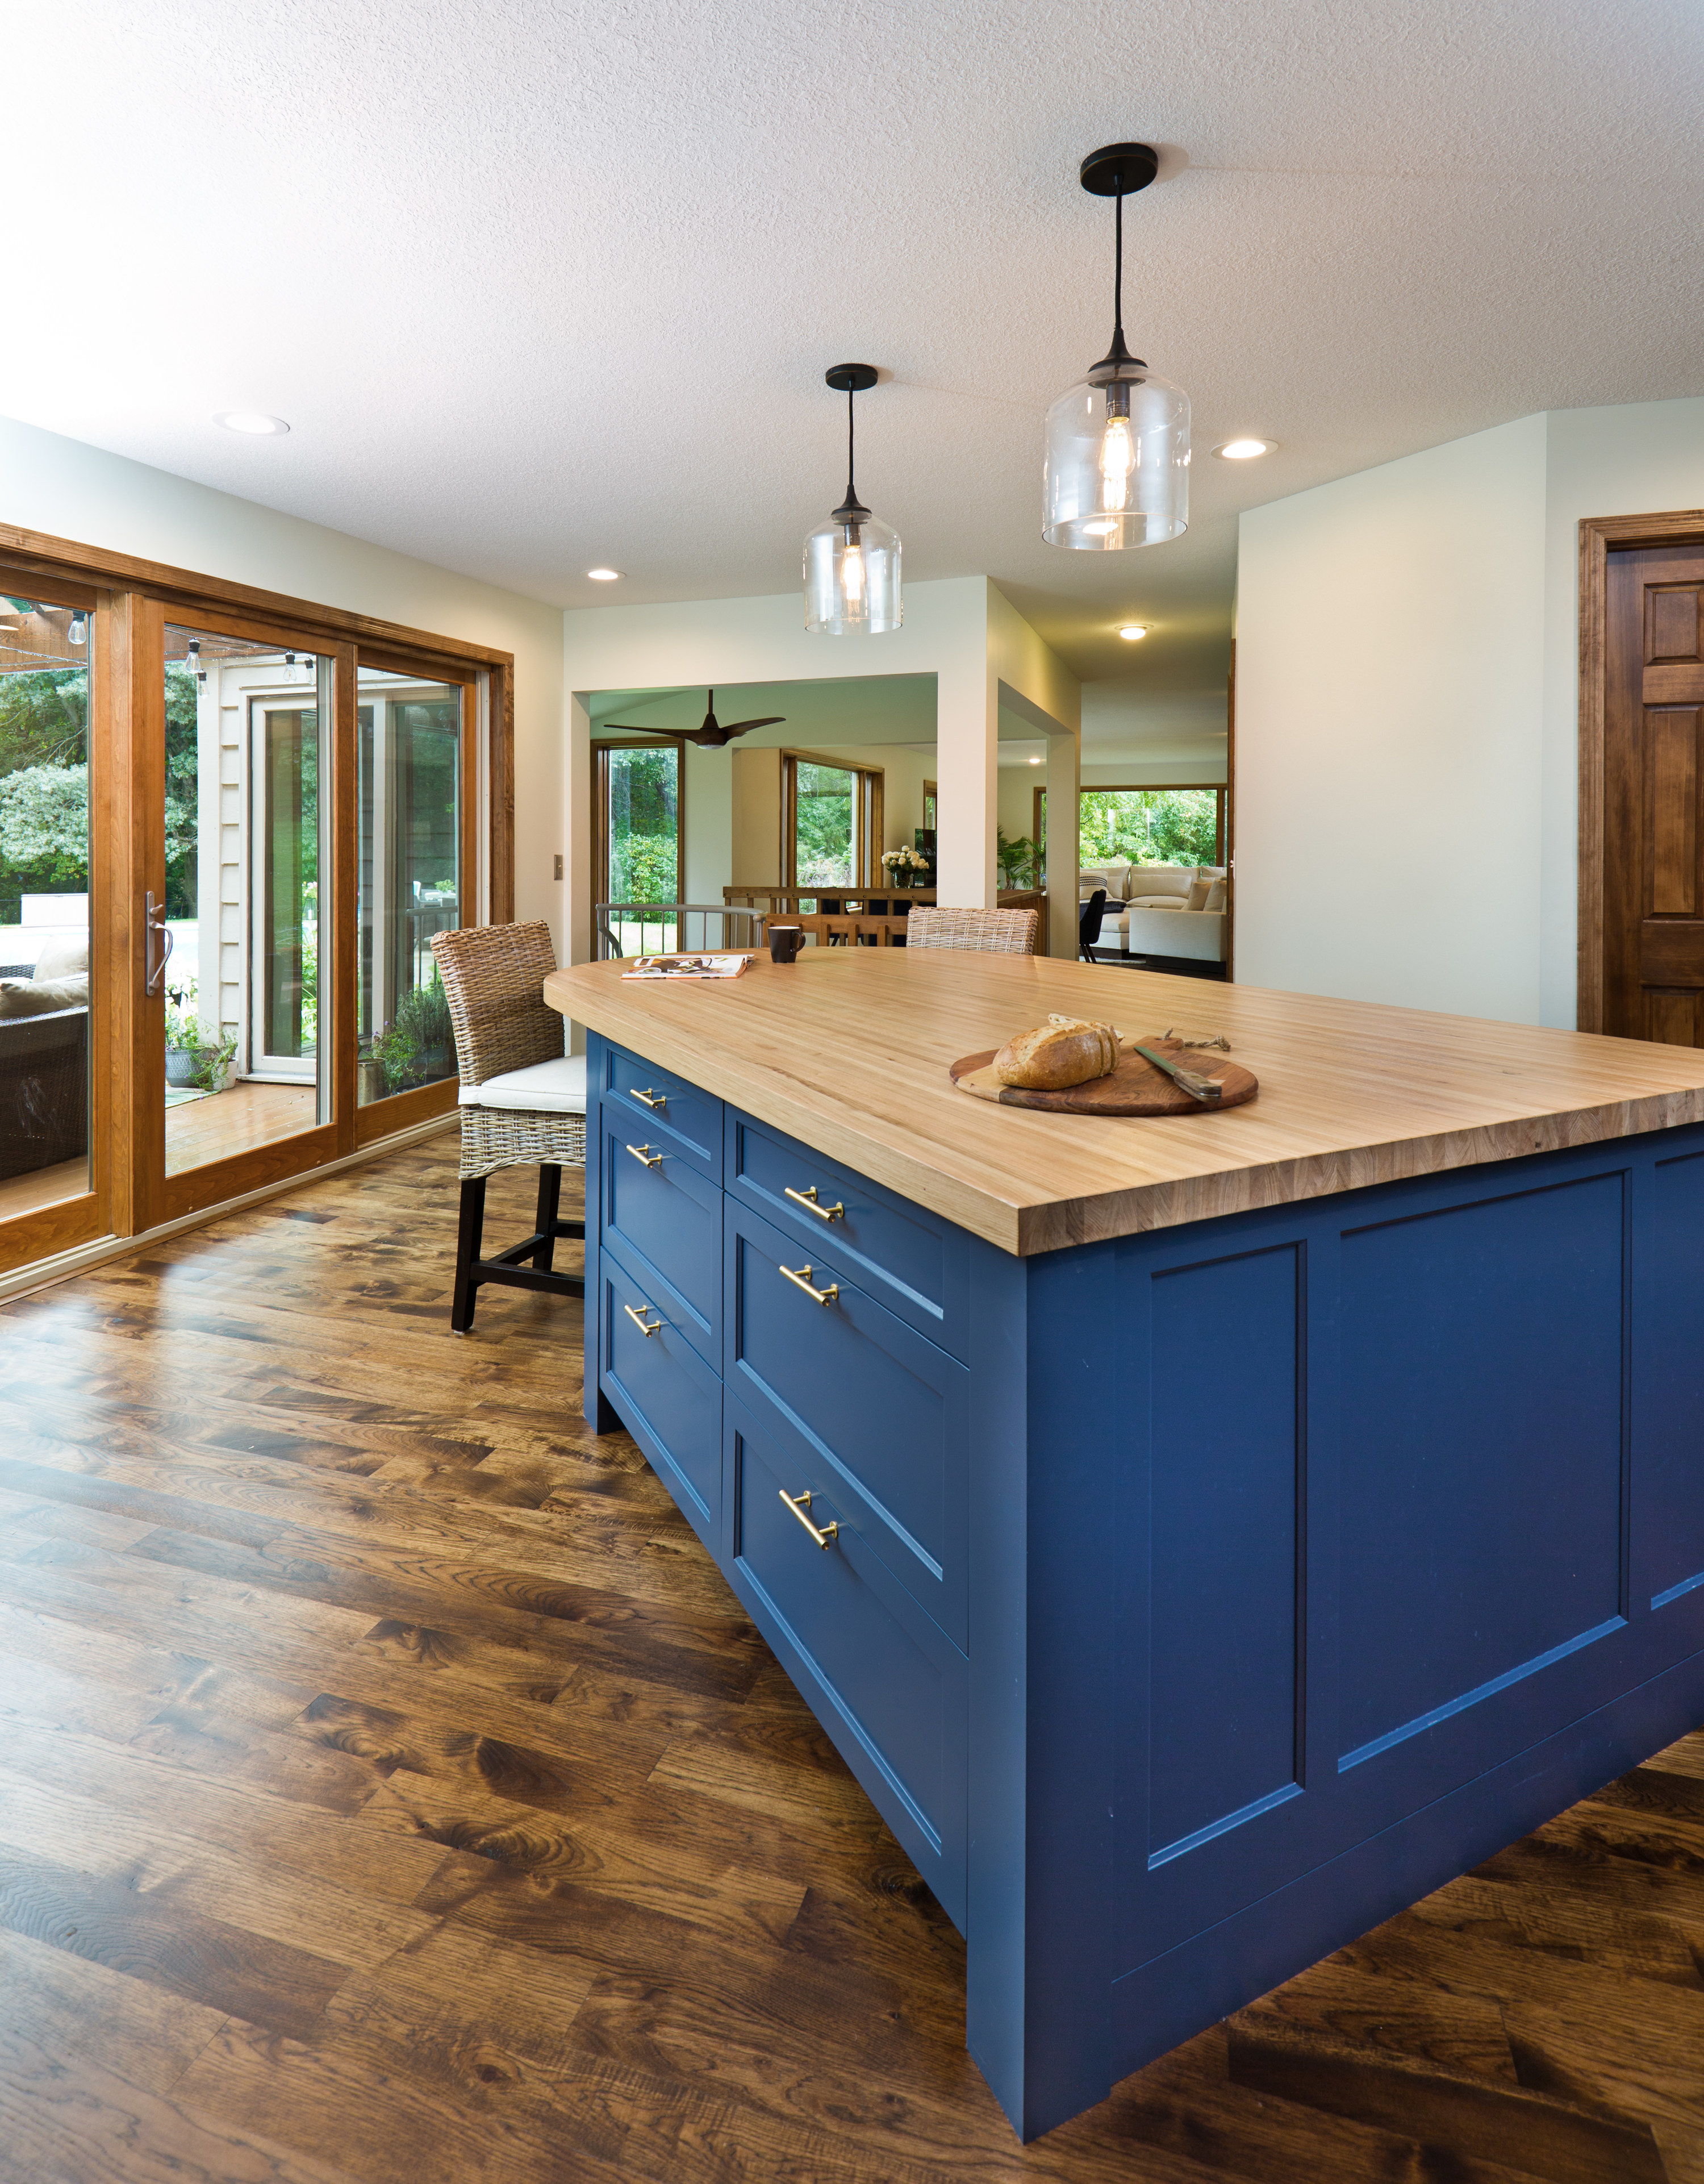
(653,1104)
(880,1677)
(911,1260)
(669,1399)
(876,1415)
(663,1221)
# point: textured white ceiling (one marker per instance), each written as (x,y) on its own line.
(540,286)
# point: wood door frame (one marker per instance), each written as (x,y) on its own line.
(1601,536)
(598,863)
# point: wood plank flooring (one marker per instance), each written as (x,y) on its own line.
(391,1790)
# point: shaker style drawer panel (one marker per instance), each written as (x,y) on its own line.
(884,1683)
(877,1417)
(911,1260)
(664,1220)
(676,1116)
(669,1399)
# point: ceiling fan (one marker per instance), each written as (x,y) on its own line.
(712,735)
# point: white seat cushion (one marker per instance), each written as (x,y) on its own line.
(548,1087)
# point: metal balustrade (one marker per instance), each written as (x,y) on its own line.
(667,928)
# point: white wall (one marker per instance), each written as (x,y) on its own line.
(1407,709)
(1390,704)
(1637,459)
(71,491)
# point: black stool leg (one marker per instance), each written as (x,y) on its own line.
(549,1197)
(467,1253)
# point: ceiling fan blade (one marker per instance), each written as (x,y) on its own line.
(620,728)
(769,720)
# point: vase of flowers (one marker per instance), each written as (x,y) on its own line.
(900,867)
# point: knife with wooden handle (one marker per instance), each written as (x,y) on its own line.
(1207,1089)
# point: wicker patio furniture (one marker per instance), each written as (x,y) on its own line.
(994,932)
(522,1101)
(44,1086)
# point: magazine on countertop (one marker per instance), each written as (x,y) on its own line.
(687,966)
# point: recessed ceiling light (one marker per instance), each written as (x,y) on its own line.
(1245,450)
(255,423)
(1133,631)
(606,576)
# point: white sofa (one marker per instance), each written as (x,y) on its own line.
(1147,911)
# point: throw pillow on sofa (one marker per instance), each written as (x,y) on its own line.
(1198,892)
(63,959)
(40,997)
(1216,895)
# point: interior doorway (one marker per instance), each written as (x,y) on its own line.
(1642,777)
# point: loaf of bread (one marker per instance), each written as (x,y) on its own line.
(1064,1051)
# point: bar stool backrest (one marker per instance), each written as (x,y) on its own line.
(493,978)
(991,931)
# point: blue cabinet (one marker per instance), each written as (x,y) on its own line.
(1197,1599)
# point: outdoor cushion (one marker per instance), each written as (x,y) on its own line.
(552,1088)
(40,997)
(63,959)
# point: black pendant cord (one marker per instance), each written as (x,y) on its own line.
(851,511)
(1118,273)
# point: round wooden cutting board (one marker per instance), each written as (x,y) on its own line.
(1135,1087)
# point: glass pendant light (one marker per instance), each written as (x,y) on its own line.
(1118,468)
(852,562)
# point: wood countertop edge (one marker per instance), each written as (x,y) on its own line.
(1025,1228)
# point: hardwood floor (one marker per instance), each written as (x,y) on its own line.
(390,1790)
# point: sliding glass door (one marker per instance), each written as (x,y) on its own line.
(46,650)
(228,836)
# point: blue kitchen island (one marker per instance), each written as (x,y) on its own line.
(1201,1535)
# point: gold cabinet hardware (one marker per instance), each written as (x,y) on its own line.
(639,1318)
(798,1503)
(645,1157)
(807,1199)
(650,1099)
(801,1280)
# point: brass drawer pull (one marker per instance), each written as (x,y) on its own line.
(807,1199)
(639,1320)
(801,1280)
(798,1503)
(650,1099)
(645,1157)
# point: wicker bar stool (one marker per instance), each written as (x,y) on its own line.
(522,1101)
(991,931)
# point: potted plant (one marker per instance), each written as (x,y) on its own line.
(197,1055)
(418,1046)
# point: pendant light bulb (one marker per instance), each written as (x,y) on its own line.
(1116,473)
(852,562)
(79,631)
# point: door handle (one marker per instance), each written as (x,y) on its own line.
(639,1318)
(807,1199)
(798,1503)
(645,1157)
(154,927)
(801,1280)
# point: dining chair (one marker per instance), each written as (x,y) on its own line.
(522,1101)
(991,931)
(1088,916)
(830,930)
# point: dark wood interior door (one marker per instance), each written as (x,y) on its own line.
(1653,871)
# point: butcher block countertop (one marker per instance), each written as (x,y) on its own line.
(847,1051)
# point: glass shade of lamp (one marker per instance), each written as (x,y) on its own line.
(852,585)
(1116,471)
(1118,468)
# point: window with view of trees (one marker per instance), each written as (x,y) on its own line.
(641,840)
(1147,826)
(833,823)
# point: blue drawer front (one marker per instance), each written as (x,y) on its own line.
(669,1399)
(664,1221)
(884,1683)
(674,1116)
(914,1262)
(878,1417)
